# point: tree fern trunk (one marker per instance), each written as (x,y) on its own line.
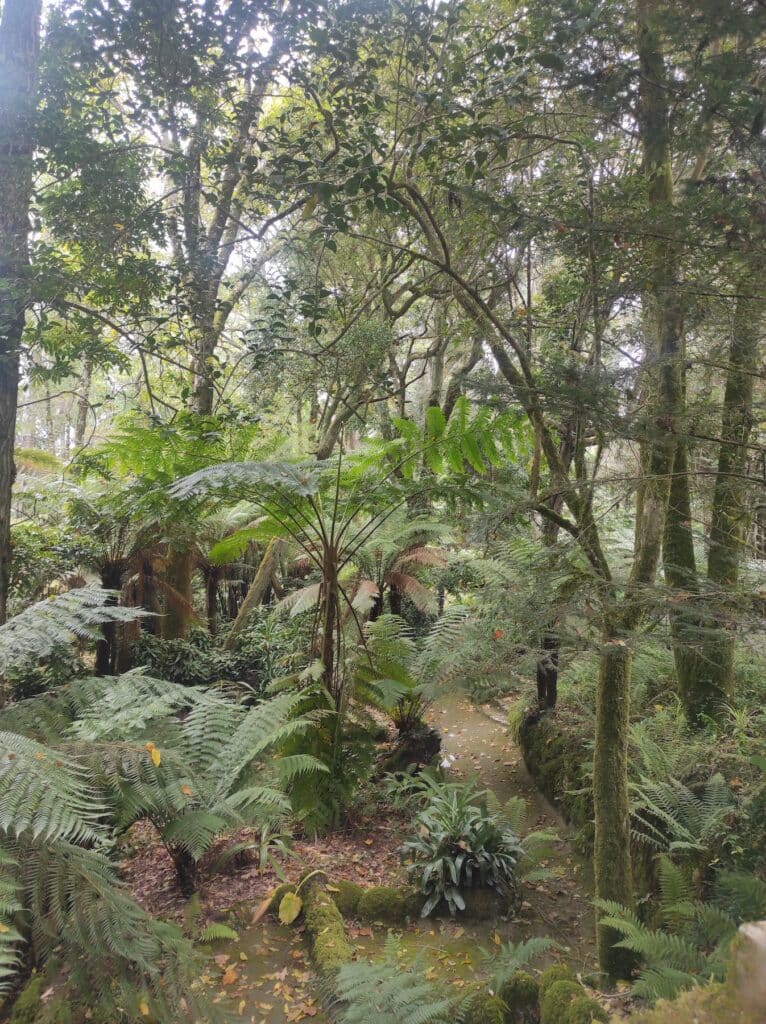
(178,605)
(19,48)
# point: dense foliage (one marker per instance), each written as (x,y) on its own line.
(353,356)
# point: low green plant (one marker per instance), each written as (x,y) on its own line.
(389,991)
(460,844)
(691,945)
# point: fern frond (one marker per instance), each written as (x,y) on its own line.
(37,631)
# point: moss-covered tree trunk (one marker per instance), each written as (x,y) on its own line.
(665,323)
(731,512)
(19,48)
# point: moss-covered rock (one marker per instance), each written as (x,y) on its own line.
(484,1008)
(557,1000)
(330,948)
(346,896)
(27,1004)
(382,903)
(521,995)
(558,972)
(58,1011)
(558,761)
(586,1010)
(708,1004)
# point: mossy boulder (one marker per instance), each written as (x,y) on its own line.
(330,948)
(556,1003)
(346,896)
(27,1006)
(382,903)
(558,972)
(521,995)
(708,1004)
(586,1010)
(484,1008)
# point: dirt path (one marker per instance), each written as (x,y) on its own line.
(560,906)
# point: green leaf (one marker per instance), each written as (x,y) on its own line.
(290,907)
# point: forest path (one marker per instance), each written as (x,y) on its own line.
(560,906)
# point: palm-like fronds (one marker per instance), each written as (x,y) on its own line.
(37,631)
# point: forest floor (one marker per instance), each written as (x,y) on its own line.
(265,976)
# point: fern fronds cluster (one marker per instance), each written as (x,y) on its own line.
(691,946)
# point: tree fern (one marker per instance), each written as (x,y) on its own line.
(37,631)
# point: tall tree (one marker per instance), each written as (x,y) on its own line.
(19,54)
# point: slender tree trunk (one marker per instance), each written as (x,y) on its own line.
(612,858)
(257,591)
(83,404)
(212,575)
(731,511)
(19,49)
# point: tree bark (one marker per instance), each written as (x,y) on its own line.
(19,50)
(178,609)
(731,512)
(257,591)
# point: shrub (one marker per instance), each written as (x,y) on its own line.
(460,844)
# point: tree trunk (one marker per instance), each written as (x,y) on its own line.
(83,404)
(547,673)
(611,855)
(178,606)
(731,511)
(257,591)
(680,568)
(19,49)
(212,575)
(612,859)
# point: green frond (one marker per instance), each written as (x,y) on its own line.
(37,631)
(45,795)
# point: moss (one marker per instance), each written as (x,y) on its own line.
(586,1010)
(558,972)
(27,1005)
(57,1011)
(555,1004)
(382,903)
(324,926)
(346,896)
(557,759)
(484,1008)
(521,994)
(279,893)
(709,1004)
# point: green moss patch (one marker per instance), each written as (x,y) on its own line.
(27,1005)
(521,994)
(346,896)
(556,1002)
(586,1010)
(558,972)
(382,903)
(484,1008)
(329,946)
